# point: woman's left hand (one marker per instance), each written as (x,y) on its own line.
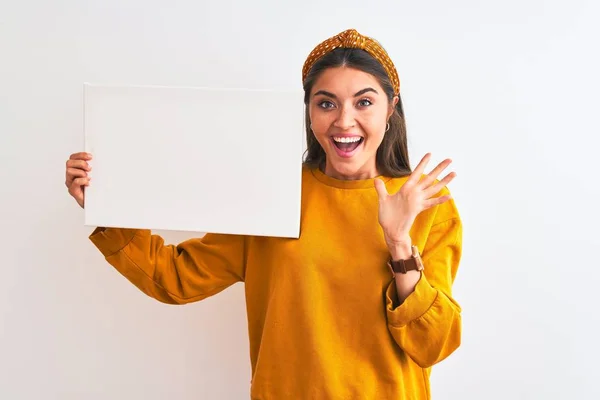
(398,211)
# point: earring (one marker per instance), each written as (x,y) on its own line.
(387,127)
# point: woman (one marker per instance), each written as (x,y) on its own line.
(360,306)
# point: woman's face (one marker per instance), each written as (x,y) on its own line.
(349,111)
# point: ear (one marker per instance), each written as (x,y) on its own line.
(392,107)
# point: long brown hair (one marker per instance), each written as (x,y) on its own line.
(392,155)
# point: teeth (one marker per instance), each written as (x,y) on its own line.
(346,139)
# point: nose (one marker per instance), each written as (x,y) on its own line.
(345,119)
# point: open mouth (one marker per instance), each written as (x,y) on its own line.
(347,144)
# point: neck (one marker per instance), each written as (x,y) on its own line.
(364,172)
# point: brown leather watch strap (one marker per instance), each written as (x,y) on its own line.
(413,263)
(403,266)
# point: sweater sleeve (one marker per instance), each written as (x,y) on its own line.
(174,274)
(427,325)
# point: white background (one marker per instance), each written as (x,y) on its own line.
(509,90)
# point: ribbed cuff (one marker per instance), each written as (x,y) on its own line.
(112,240)
(415,305)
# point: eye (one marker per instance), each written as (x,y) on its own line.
(326,104)
(364,103)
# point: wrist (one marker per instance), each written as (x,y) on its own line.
(400,250)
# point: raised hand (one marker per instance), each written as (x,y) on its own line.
(77,177)
(398,211)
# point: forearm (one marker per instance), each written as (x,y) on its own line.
(405,283)
(173,274)
(424,322)
(427,324)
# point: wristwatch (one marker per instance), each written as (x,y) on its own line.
(414,263)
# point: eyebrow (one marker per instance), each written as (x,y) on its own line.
(333,96)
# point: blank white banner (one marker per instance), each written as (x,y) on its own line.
(194,159)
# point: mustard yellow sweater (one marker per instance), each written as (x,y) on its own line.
(323,314)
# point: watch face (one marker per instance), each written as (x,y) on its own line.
(415,250)
(420,264)
(417,257)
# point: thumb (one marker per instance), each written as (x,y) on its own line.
(382,192)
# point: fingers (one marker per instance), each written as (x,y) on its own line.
(77,178)
(78,182)
(432,176)
(77,189)
(76,172)
(73,173)
(434,189)
(416,174)
(382,192)
(82,164)
(81,156)
(76,169)
(436,201)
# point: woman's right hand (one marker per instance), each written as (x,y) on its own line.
(77,176)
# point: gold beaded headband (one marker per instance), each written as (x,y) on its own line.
(352,39)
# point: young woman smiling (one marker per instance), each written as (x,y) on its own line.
(361,305)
